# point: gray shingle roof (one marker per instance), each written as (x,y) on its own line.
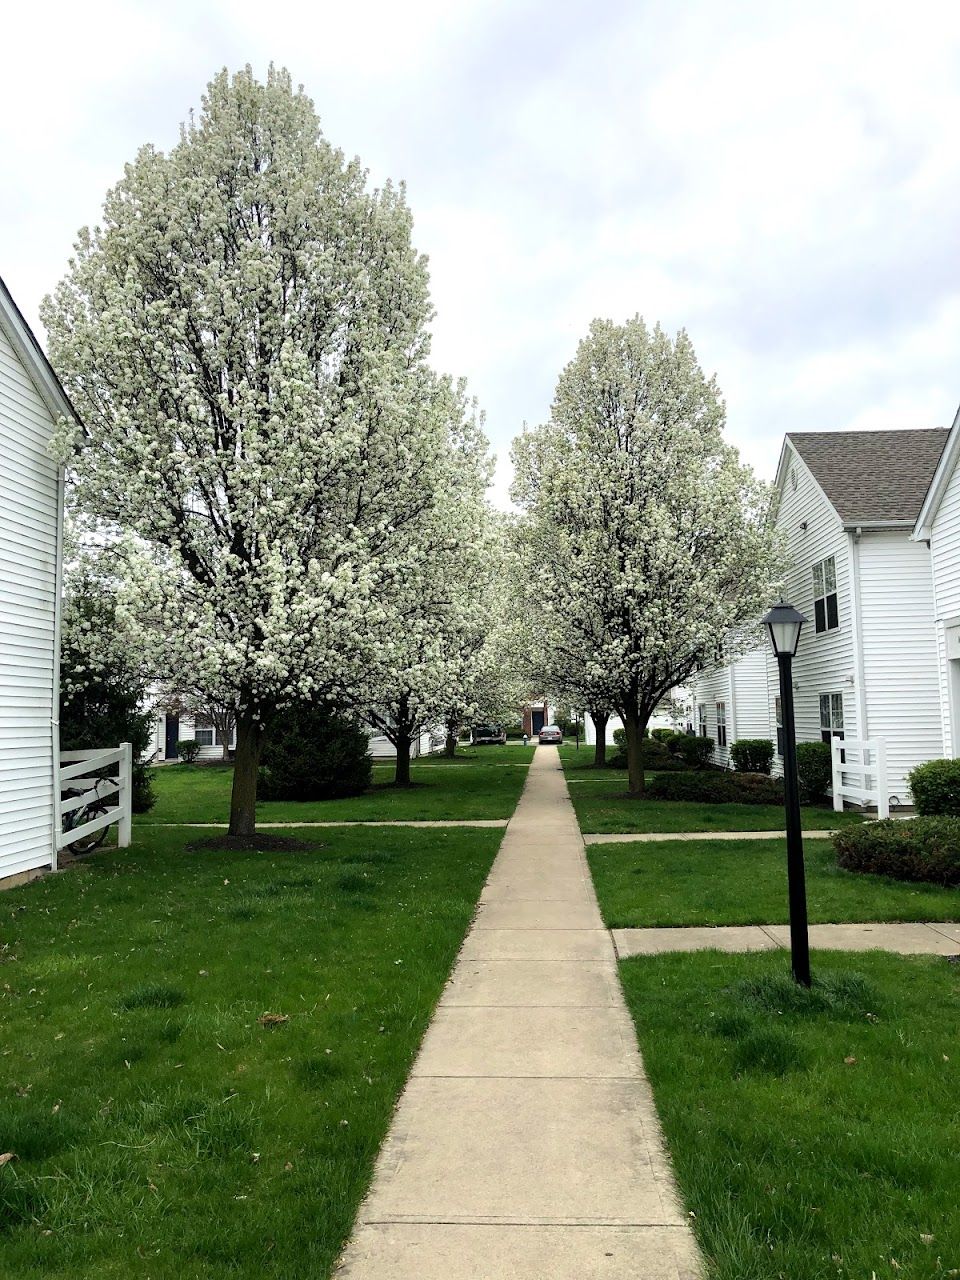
(872,476)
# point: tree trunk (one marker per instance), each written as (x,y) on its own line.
(634,726)
(402,778)
(450,746)
(401,740)
(600,719)
(243,801)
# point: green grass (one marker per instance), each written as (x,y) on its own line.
(814,1135)
(159,1128)
(709,882)
(473,785)
(604,807)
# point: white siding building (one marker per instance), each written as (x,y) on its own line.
(731,702)
(31,530)
(938,527)
(867,664)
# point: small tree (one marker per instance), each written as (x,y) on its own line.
(315,753)
(648,515)
(103,681)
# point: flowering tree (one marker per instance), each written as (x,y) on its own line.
(104,674)
(245,339)
(651,528)
(427,662)
(562,640)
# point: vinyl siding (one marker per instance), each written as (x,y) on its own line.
(708,687)
(825,662)
(945,555)
(899,653)
(29,509)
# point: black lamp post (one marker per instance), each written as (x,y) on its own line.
(783,624)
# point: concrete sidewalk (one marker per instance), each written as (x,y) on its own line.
(939,939)
(526,1145)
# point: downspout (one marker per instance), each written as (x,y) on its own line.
(732,717)
(55,675)
(860,692)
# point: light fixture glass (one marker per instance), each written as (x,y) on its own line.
(783,624)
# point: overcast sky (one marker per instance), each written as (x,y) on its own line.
(781,179)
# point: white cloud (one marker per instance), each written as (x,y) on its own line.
(779,179)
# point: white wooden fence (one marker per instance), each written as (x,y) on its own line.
(866,762)
(75,768)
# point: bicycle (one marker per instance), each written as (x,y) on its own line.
(94,808)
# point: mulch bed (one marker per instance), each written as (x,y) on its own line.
(252,844)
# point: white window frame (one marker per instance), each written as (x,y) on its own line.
(701,719)
(203,731)
(831,716)
(778,718)
(825,592)
(721,724)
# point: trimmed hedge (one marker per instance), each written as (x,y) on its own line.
(188,749)
(313,753)
(695,751)
(917,849)
(717,787)
(936,787)
(656,756)
(814,771)
(752,755)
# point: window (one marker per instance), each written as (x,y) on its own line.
(203,731)
(721,724)
(778,712)
(701,719)
(831,716)
(825,613)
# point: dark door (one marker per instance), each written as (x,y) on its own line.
(171,748)
(538,718)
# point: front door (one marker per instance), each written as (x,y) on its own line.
(538,718)
(171,746)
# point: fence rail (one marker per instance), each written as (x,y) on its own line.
(865,761)
(77,771)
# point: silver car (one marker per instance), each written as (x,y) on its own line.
(550,733)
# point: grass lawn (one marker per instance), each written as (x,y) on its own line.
(704,882)
(160,1130)
(481,784)
(603,806)
(814,1135)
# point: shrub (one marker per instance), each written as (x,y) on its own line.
(917,849)
(189,749)
(936,787)
(695,751)
(313,753)
(717,787)
(654,754)
(663,735)
(620,739)
(814,771)
(752,755)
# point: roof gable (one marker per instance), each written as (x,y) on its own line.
(872,477)
(938,485)
(25,344)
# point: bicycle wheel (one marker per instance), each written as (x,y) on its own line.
(87,844)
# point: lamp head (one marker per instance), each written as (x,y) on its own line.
(783,624)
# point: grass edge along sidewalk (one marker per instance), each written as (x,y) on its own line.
(813,1134)
(725,882)
(203,1051)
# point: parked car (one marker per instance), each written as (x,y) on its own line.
(551,733)
(488,734)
